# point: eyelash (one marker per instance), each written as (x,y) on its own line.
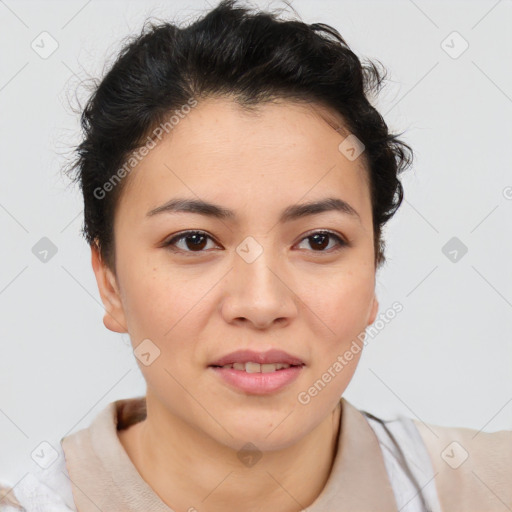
(169,243)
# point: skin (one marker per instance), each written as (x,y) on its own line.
(198,306)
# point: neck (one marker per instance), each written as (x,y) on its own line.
(187,469)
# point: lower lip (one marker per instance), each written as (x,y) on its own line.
(258,383)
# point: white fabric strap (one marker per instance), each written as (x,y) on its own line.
(43,490)
(407,462)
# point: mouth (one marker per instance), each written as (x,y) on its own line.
(252,367)
(257,379)
(254,362)
(257,373)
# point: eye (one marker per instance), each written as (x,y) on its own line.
(320,238)
(194,241)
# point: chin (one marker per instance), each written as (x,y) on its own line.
(261,441)
(272,431)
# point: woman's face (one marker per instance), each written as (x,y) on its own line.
(254,280)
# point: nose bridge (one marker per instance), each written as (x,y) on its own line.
(257,288)
(256,266)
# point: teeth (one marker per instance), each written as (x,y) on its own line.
(257,368)
(252,367)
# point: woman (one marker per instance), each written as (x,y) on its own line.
(236,181)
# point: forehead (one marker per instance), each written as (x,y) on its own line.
(287,150)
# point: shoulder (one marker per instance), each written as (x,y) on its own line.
(473,469)
(462,469)
(39,488)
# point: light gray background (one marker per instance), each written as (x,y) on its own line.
(445,359)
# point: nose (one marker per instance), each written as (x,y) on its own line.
(259,293)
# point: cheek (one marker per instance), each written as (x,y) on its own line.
(163,307)
(340,305)
(156,299)
(145,305)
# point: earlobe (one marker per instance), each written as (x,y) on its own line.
(374,310)
(114,318)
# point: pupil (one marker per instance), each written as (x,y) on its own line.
(195,243)
(324,236)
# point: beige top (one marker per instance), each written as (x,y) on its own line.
(472,470)
(380,465)
(103,476)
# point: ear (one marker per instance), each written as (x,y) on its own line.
(114,318)
(373,310)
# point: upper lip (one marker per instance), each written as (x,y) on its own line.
(246,356)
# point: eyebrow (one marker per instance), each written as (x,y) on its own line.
(290,213)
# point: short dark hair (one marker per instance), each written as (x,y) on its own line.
(251,57)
